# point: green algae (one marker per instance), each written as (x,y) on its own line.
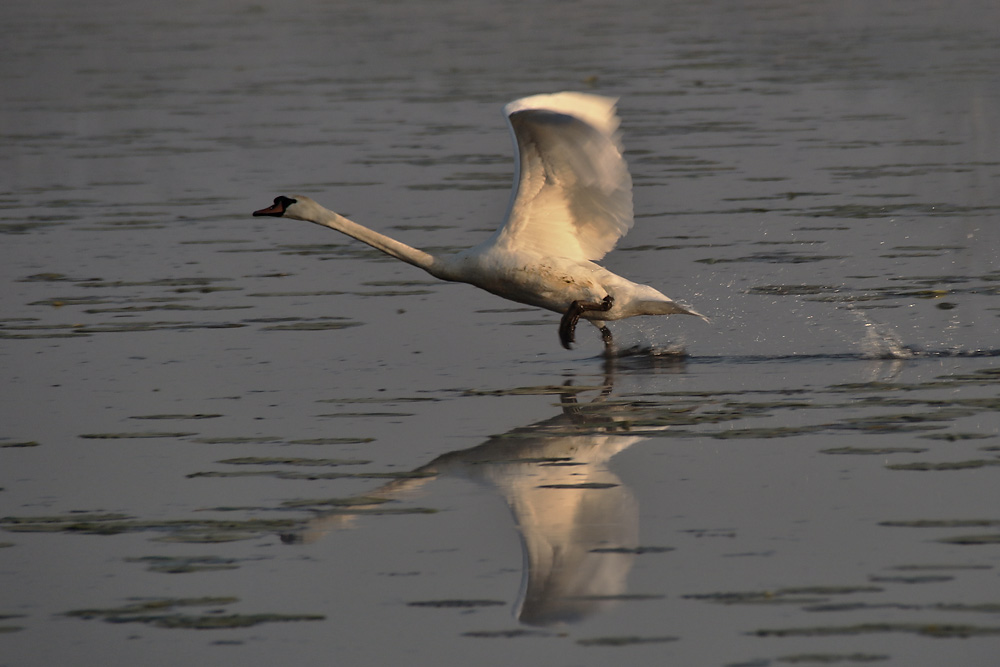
(238,440)
(972,540)
(456,604)
(136,435)
(185,564)
(942,523)
(319,324)
(332,441)
(632,550)
(184,530)
(506,634)
(292,461)
(351,501)
(178,416)
(798,595)
(624,640)
(873,451)
(831,658)
(286,474)
(924,466)
(937,630)
(162,613)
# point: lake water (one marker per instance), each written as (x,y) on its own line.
(247,441)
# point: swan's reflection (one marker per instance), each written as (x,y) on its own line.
(579,525)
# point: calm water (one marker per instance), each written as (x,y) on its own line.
(239,441)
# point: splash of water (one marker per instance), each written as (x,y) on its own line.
(880,341)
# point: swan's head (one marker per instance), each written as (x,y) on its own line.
(288,207)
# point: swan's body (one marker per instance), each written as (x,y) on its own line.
(572,201)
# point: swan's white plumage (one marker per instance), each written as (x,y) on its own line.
(572,190)
(572,202)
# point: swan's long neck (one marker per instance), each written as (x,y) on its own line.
(390,246)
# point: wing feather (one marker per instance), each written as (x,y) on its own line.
(573,193)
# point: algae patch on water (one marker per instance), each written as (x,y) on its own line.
(627,640)
(180,530)
(186,564)
(163,613)
(940,630)
(292,461)
(456,604)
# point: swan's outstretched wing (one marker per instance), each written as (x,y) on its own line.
(572,192)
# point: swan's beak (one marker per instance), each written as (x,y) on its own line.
(276,210)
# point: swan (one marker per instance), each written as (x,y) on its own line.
(571,202)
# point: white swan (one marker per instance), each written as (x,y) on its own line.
(572,201)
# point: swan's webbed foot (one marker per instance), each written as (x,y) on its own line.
(567,326)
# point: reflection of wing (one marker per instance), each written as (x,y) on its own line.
(573,193)
(578,523)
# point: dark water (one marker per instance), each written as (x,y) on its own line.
(230,440)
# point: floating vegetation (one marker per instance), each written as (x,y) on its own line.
(954,437)
(238,440)
(457,604)
(177,416)
(380,400)
(26,443)
(323,324)
(621,597)
(941,630)
(873,451)
(773,432)
(186,564)
(972,539)
(136,434)
(290,475)
(542,390)
(13,523)
(831,658)
(291,461)
(628,640)
(182,530)
(134,327)
(506,634)
(165,306)
(351,501)
(632,550)
(332,441)
(7,629)
(161,613)
(943,523)
(162,282)
(366,414)
(946,465)
(777,257)
(908,568)
(296,294)
(918,579)
(782,596)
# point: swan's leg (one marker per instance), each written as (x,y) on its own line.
(567,326)
(606,337)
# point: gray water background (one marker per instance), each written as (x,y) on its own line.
(817,482)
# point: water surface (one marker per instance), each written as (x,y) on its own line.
(244,441)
